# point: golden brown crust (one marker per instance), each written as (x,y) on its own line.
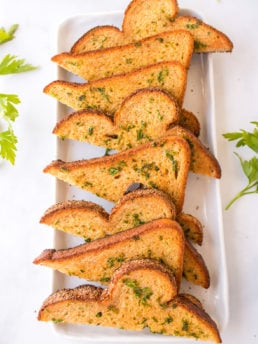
(193,299)
(80,293)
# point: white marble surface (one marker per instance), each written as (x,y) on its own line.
(25,192)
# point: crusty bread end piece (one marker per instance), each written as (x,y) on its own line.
(141,294)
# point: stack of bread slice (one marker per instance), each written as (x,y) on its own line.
(131,102)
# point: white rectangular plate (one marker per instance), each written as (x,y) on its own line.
(202,195)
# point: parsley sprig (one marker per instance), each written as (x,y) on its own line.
(11,65)
(8,140)
(245,138)
(8,111)
(249,167)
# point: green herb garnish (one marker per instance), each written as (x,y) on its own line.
(103,93)
(185,325)
(193,25)
(111,261)
(114,170)
(57,321)
(249,167)
(90,130)
(198,45)
(142,293)
(170,156)
(8,113)
(99,315)
(162,75)
(245,138)
(11,65)
(5,35)
(136,220)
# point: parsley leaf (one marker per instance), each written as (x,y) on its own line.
(250,169)
(8,111)
(245,138)
(11,65)
(6,36)
(8,147)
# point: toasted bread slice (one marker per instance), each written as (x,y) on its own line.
(161,164)
(91,221)
(206,37)
(141,294)
(144,115)
(149,111)
(107,94)
(134,125)
(174,45)
(83,219)
(97,260)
